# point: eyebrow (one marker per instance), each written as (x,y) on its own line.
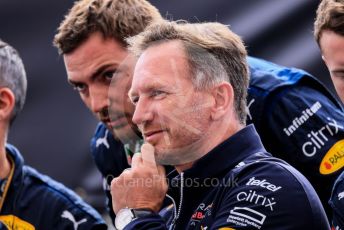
(101,69)
(95,73)
(73,83)
(148,87)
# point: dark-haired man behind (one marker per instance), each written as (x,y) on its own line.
(92,41)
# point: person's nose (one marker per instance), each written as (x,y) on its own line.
(143,112)
(99,99)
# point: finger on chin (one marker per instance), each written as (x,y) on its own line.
(147,153)
(136,160)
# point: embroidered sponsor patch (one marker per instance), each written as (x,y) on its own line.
(320,137)
(334,159)
(69,216)
(246,217)
(264,184)
(13,222)
(254,197)
(201,212)
(298,121)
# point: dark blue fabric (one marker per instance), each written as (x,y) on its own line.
(45,203)
(279,96)
(337,203)
(3,227)
(239,185)
(110,160)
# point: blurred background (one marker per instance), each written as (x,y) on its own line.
(54,130)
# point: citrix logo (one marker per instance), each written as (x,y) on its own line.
(253,197)
(264,184)
(317,139)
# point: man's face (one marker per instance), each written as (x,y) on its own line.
(90,69)
(332,47)
(170,113)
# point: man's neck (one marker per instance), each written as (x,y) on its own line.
(209,142)
(5,166)
(183,167)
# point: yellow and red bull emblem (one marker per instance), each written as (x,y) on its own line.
(334,159)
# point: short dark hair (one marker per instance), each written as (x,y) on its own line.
(116,19)
(330,16)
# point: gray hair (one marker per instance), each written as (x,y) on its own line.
(13,76)
(215,54)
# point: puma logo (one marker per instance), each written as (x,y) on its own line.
(248,109)
(340,195)
(66,214)
(103,140)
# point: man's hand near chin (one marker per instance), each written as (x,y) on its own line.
(142,186)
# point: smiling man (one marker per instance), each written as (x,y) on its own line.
(278,97)
(193,117)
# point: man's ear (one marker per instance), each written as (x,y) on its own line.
(223,95)
(7,101)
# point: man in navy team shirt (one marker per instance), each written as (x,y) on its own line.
(329,33)
(194,118)
(295,115)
